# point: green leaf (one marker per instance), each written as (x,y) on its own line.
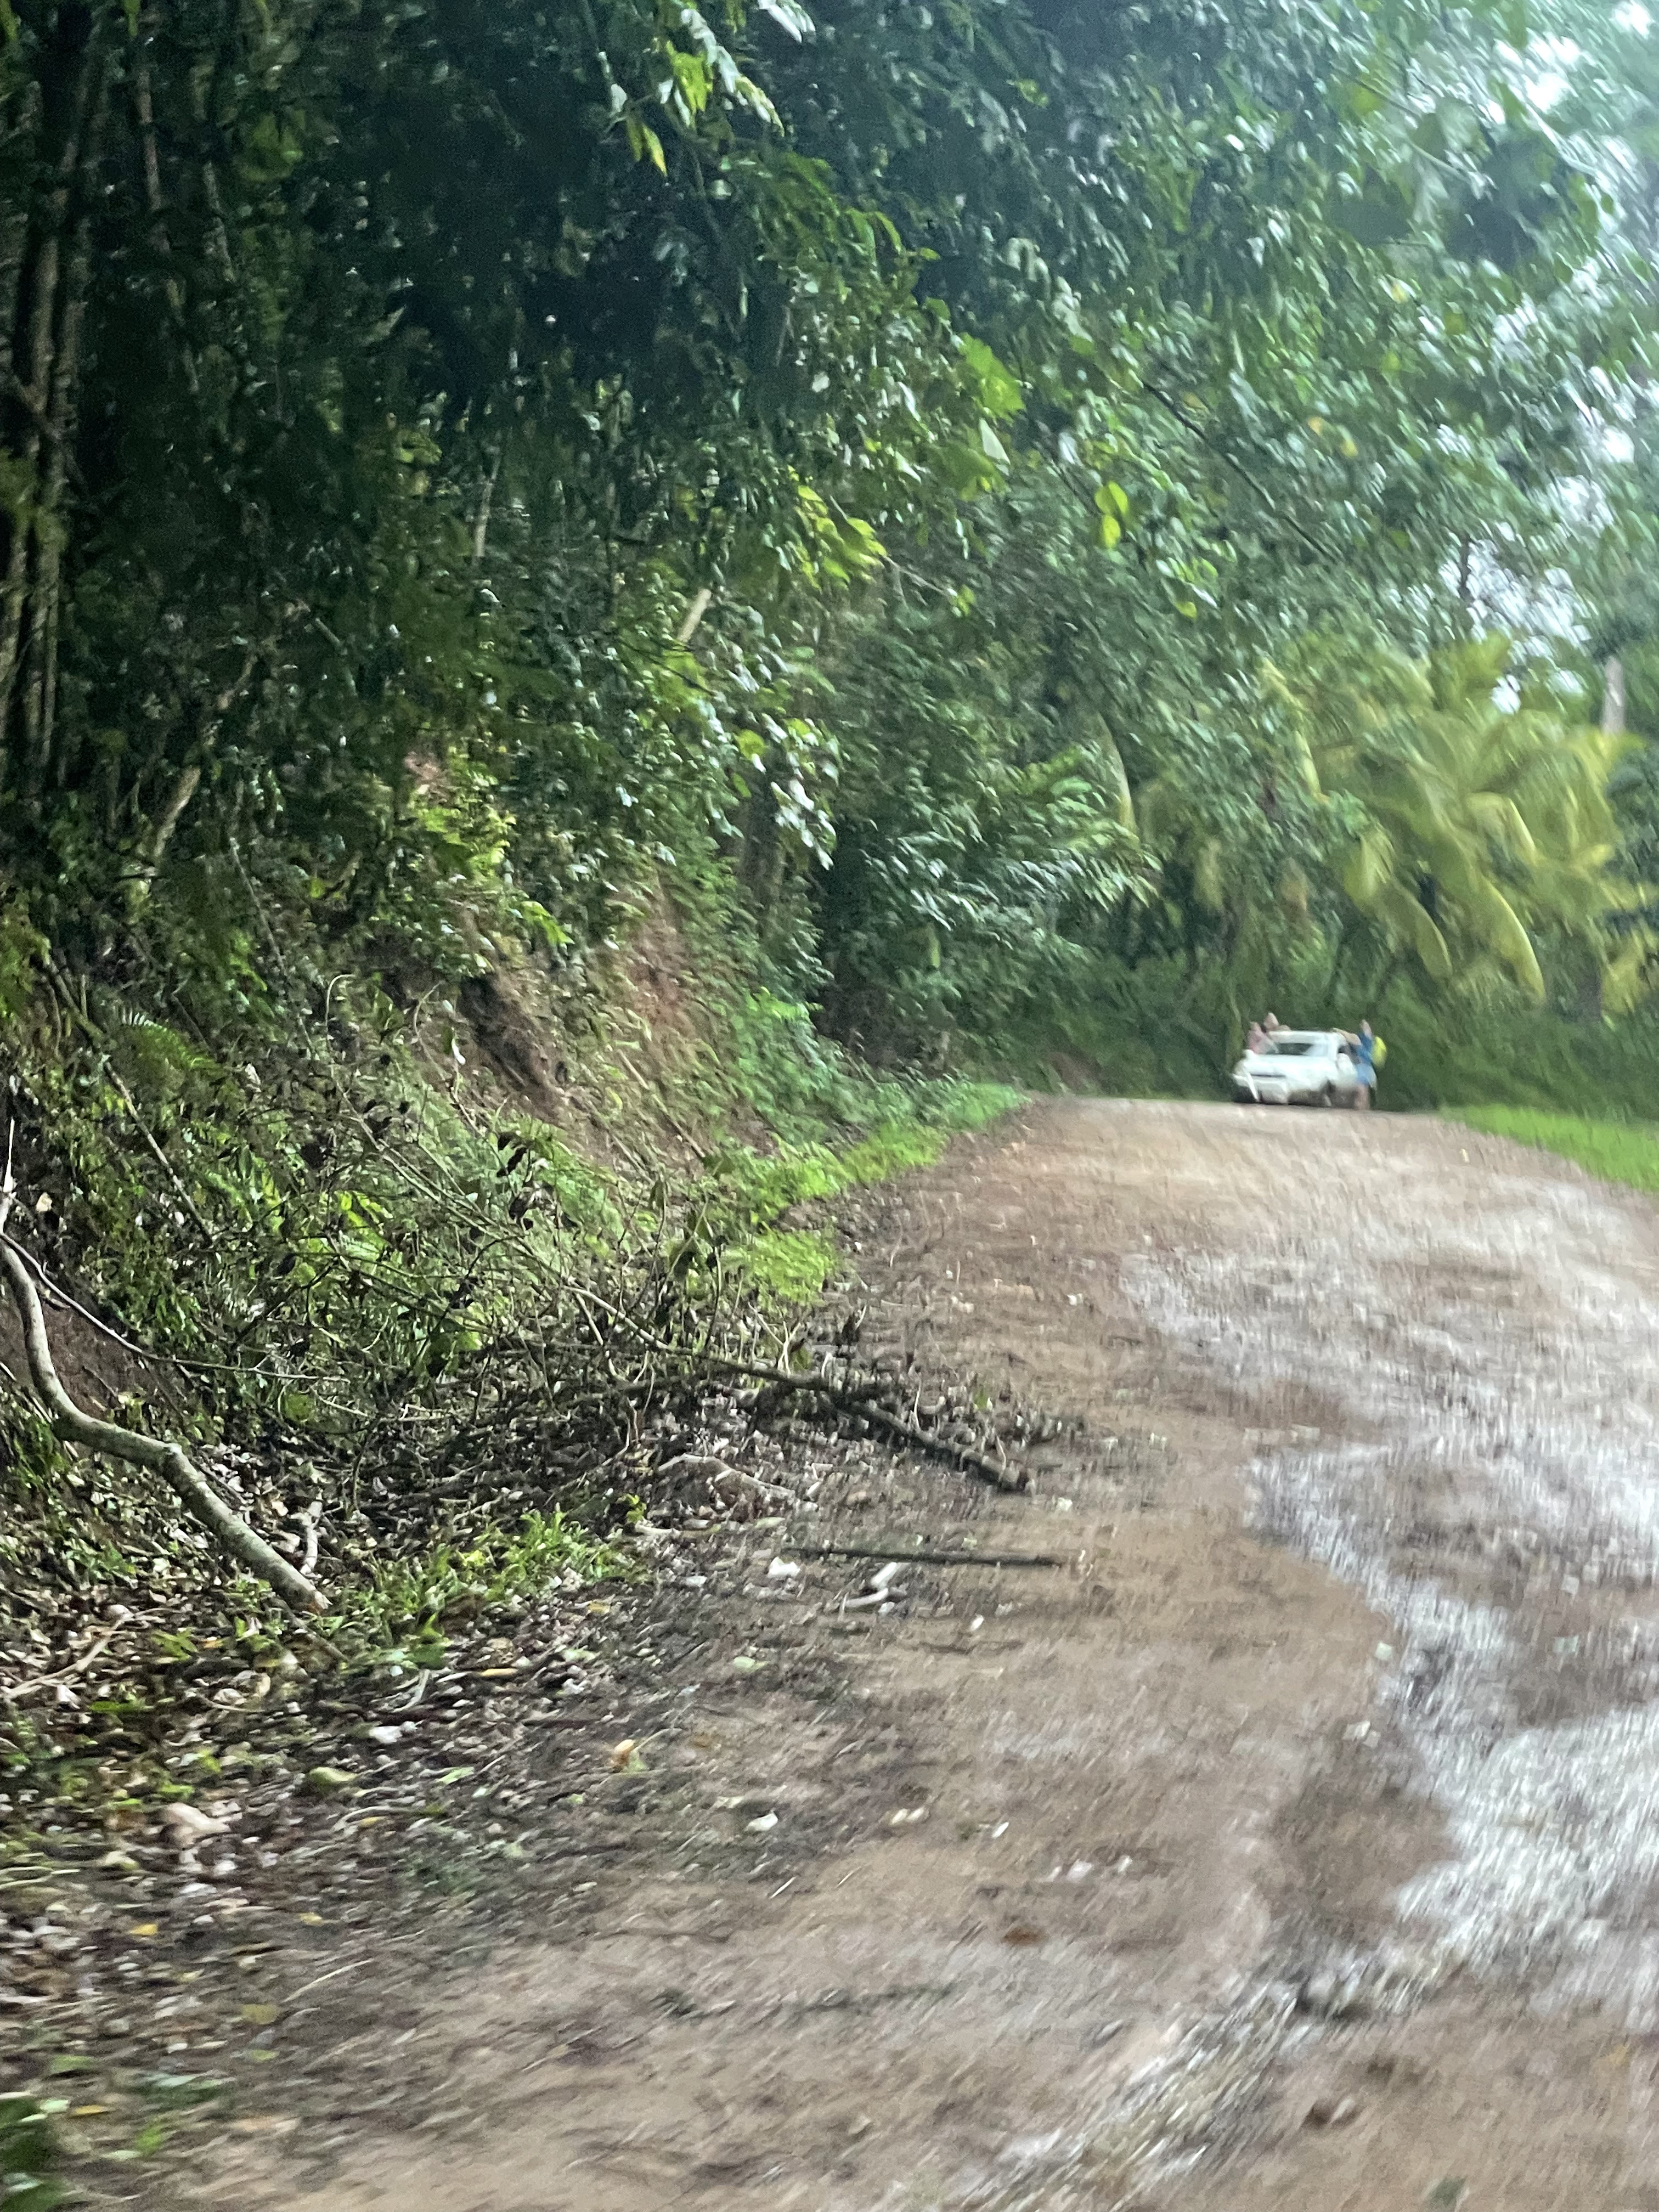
(644,142)
(968,470)
(1112,504)
(996,387)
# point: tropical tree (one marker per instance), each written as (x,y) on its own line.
(1468,828)
(458,464)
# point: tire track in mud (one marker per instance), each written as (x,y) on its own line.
(1295,1848)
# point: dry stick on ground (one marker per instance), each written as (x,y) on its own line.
(856,1398)
(971,1463)
(165,1459)
(899,1556)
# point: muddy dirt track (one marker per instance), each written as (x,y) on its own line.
(1294,1844)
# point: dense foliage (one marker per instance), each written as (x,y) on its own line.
(1036,524)
(461,465)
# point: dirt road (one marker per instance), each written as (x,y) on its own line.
(1295,1844)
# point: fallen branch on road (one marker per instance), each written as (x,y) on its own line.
(852,1398)
(971,1463)
(899,1557)
(858,1399)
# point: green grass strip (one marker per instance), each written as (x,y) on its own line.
(793,1264)
(1618,1151)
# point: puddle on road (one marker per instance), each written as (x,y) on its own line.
(1498,1371)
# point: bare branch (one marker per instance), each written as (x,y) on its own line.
(168,1460)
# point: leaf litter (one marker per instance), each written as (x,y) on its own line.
(193,1800)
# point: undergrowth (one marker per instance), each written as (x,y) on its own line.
(409,1598)
(28,2152)
(754,1192)
(391,1315)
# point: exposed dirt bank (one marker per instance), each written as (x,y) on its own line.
(1294,1843)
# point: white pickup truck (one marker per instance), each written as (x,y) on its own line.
(1298,1067)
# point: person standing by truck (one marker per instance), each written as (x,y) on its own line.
(1364,1064)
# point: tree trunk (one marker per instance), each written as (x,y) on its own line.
(14,241)
(49,306)
(168,1460)
(13,599)
(41,707)
(481,517)
(144,108)
(1338,954)
(1612,695)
